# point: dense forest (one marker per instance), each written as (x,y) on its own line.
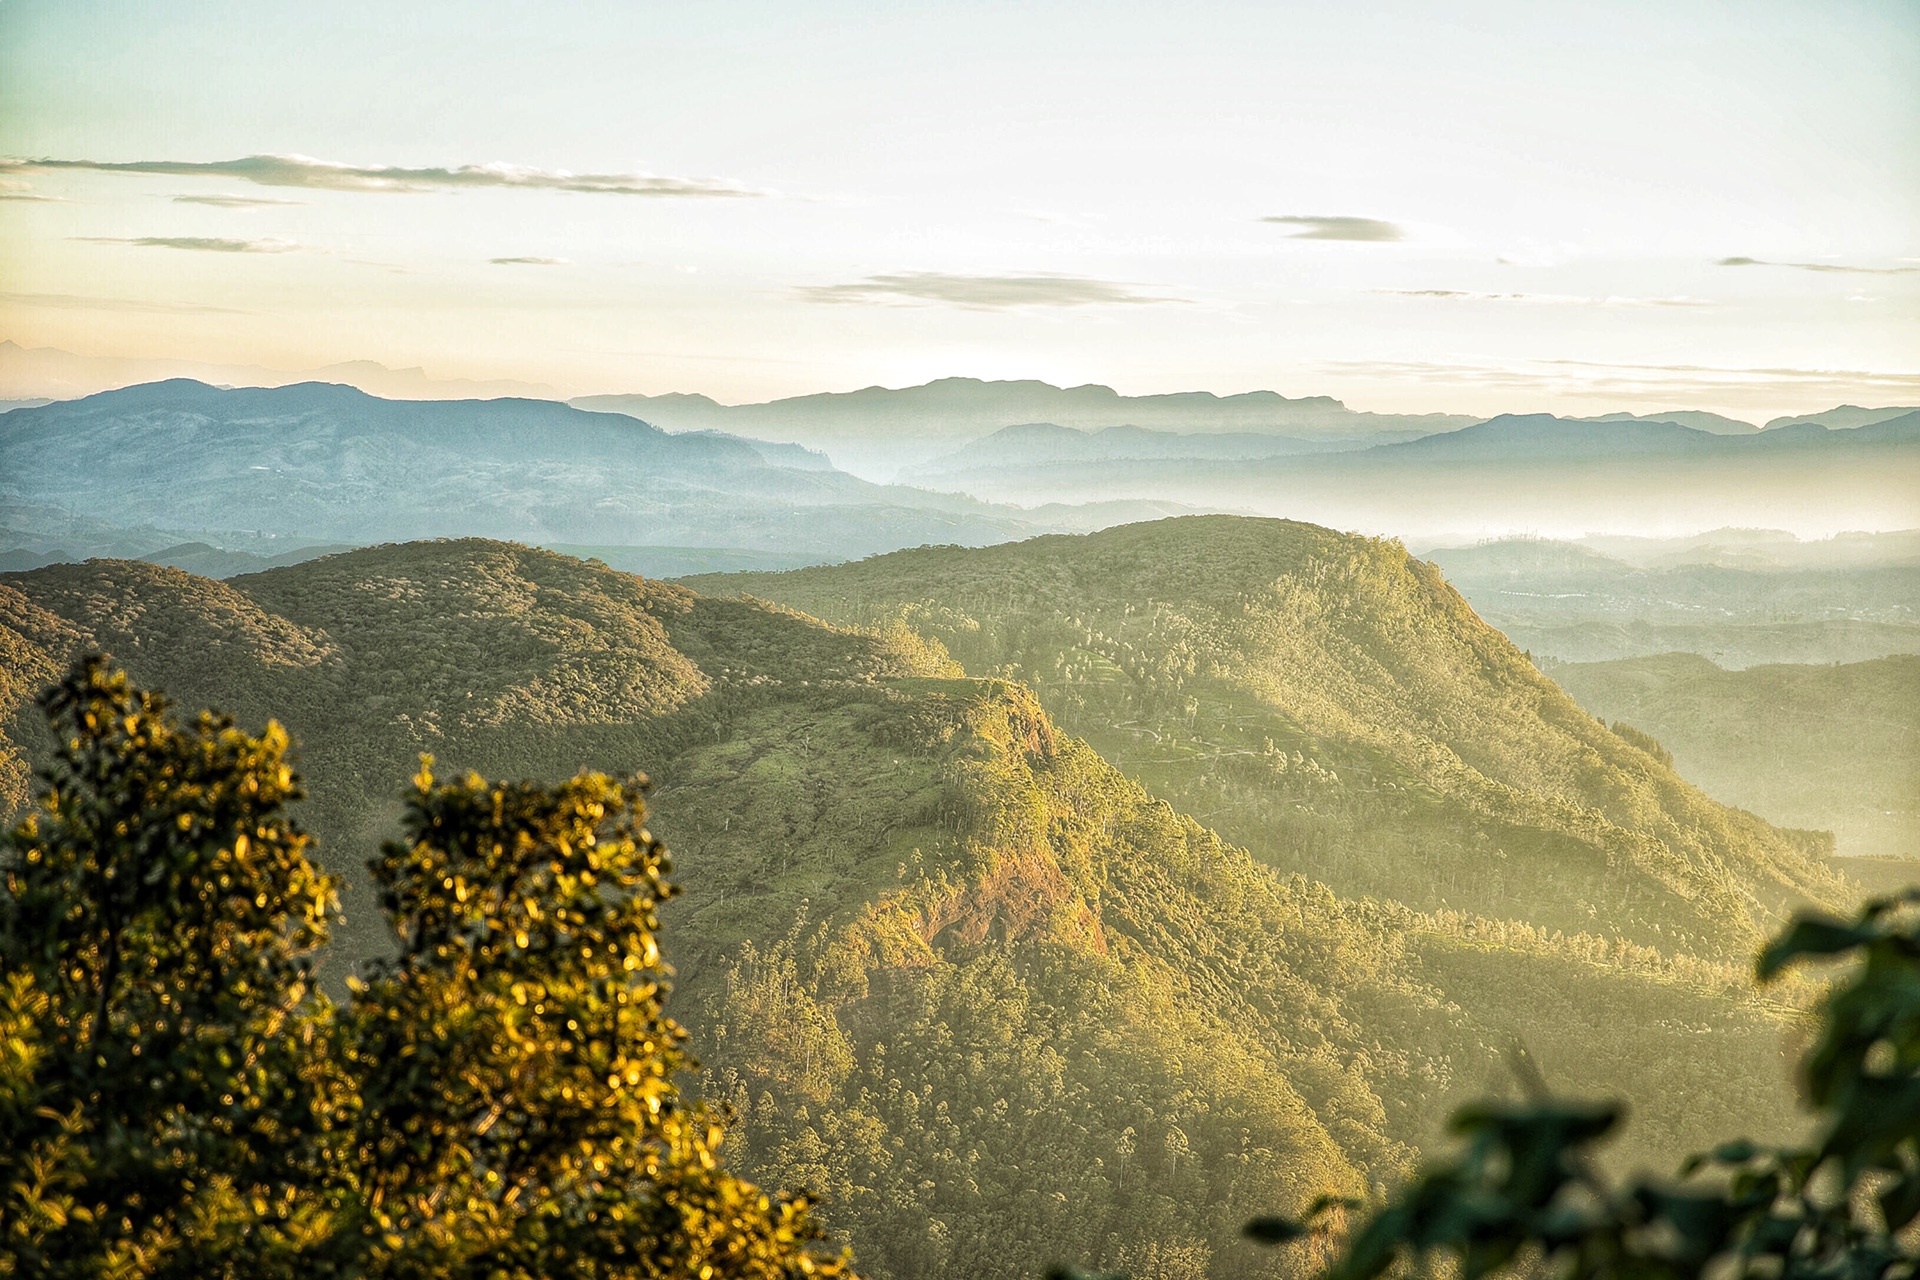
(1051,912)
(1830,746)
(1332,704)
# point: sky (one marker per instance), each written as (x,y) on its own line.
(1472,207)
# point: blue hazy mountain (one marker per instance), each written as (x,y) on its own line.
(1518,473)
(1046,444)
(1514,437)
(326,463)
(880,430)
(1843,416)
(1698,419)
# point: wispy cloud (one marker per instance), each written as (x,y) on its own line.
(528,262)
(236,202)
(983,293)
(14,189)
(1832,267)
(1545,299)
(77,302)
(329,175)
(1338,227)
(198,244)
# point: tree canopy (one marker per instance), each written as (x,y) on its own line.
(501,1098)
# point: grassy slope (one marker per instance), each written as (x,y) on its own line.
(996,1001)
(1332,704)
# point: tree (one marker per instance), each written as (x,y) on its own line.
(1525,1192)
(517,1065)
(157,928)
(500,1099)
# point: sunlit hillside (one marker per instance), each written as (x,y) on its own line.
(1332,704)
(956,970)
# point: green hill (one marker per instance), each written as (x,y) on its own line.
(1001,1005)
(1332,704)
(1835,747)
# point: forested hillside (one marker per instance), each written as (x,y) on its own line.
(1835,747)
(1332,704)
(1001,1005)
(1740,597)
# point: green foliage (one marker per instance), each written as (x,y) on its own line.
(943,959)
(499,1100)
(1643,740)
(516,1064)
(157,925)
(1331,703)
(1524,1193)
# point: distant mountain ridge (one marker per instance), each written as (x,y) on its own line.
(1698,419)
(1533,473)
(326,463)
(30,373)
(1540,435)
(884,429)
(1046,443)
(1843,416)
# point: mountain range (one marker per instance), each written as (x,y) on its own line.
(878,431)
(320,463)
(1535,473)
(266,473)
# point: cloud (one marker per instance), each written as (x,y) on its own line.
(1545,299)
(14,189)
(235,202)
(328,175)
(1338,227)
(1833,267)
(77,302)
(200,244)
(982,293)
(528,262)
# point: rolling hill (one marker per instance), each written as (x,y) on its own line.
(1829,746)
(1332,704)
(1739,597)
(1003,1006)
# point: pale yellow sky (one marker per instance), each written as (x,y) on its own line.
(1474,207)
